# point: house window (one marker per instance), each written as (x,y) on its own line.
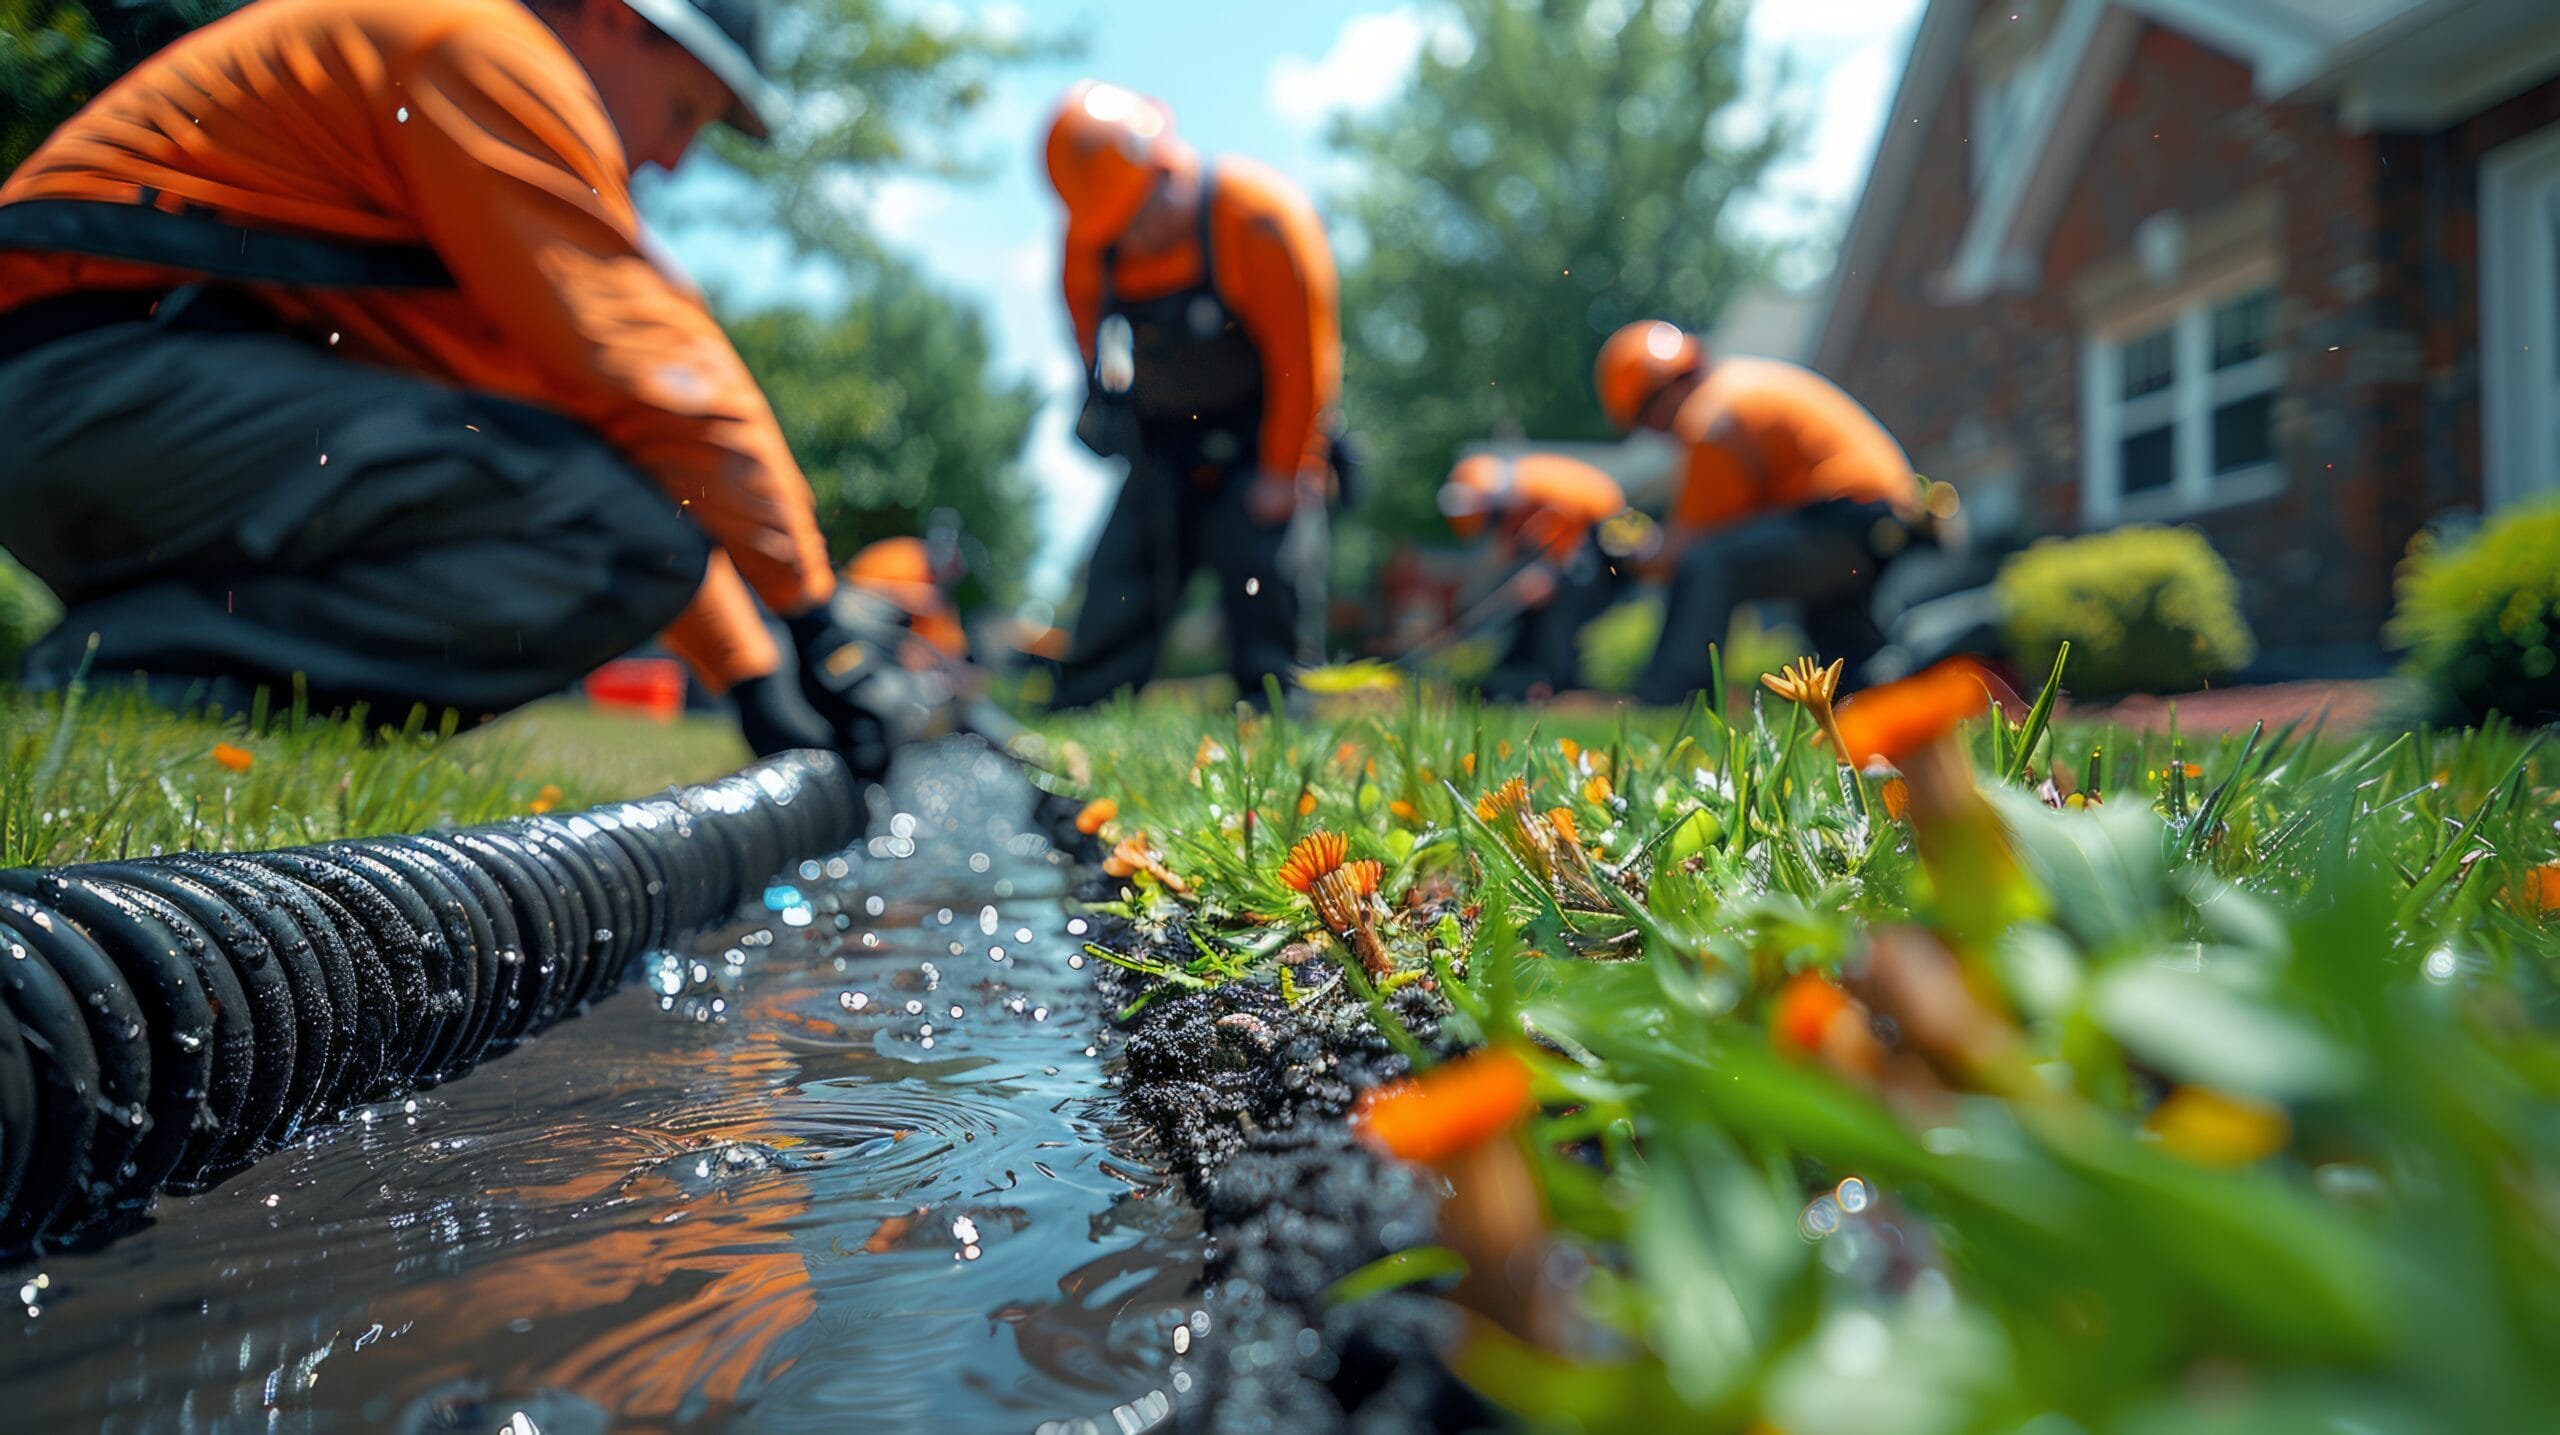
(2178,406)
(2520,318)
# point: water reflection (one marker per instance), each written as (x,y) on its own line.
(727,1198)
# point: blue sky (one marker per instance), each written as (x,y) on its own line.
(1260,79)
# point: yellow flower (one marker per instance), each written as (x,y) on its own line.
(2216,1128)
(237,759)
(1508,800)
(546,799)
(1597,790)
(1812,688)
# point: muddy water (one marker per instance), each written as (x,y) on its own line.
(852,1164)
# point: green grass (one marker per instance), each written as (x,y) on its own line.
(105,775)
(2328,939)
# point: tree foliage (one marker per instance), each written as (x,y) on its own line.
(1556,168)
(890,408)
(55,54)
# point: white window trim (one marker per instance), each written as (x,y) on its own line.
(2517,384)
(2195,392)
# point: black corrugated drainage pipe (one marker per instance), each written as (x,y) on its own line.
(166,1020)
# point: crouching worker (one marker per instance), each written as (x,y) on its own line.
(331,347)
(1564,540)
(1791,493)
(1203,301)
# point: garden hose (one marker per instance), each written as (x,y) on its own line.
(166,1020)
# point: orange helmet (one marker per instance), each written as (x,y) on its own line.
(1640,361)
(1106,146)
(900,570)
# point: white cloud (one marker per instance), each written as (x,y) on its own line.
(1367,65)
(1832,25)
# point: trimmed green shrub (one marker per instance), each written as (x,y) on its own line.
(27,610)
(2481,618)
(2146,609)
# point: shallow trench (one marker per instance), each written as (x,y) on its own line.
(851,1163)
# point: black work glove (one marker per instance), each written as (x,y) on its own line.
(853,679)
(774,717)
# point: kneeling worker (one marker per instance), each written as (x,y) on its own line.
(1203,301)
(1563,536)
(1791,492)
(332,348)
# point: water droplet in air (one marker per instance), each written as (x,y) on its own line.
(1253,587)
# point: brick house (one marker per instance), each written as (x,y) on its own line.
(2287,270)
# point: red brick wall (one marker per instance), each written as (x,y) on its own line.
(2184,132)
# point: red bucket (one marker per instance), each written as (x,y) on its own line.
(652,686)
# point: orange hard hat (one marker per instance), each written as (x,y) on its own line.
(1550,500)
(1105,150)
(1640,361)
(900,570)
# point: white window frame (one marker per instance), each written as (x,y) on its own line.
(2195,391)
(2519,380)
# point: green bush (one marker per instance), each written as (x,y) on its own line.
(2481,618)
(2146,610)
(27,610)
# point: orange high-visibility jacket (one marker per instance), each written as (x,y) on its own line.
(459,131)
(1545,499)
(1275,271)
(1763,436)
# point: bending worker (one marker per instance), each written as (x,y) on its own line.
(1791,492)
(1561,538)
(331,347)
(1204,304)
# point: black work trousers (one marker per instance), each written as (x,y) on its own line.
(1545,651)
(220,507)
(1822,558)
(1165,526)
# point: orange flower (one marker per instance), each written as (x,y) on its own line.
(1894,721)
(545,800)
(237,759)
(1897,798)
(1502,749)
(1562,819)
(1467,764)
(1346,755)
(1095,814)
(1597,790)
(1344,892)
(1403,811)
(1448,1109)
(1509,800)
(1136,854)
(1306,802)
(1805,1008)
(1572,750)
(2542,890)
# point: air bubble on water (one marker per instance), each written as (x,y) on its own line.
(902,825)
(995,954)
(1182,1340)
(854,1001)
(979,862)
(926,1029)
(957,949)
(1821,1217)
(810,870)
(735,956)
(874,905)
(987,920)
(965,1231)
(401,115)
(871,939)
(798,917)
(1075,926)
(927,1043)
(1039,1013)
(955,1011)
(942,917)
(1022,934)
(701,972)
(914,1007)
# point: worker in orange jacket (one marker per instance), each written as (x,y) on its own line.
(1560,533)
(1204,304)
(1790,492)
(332,348)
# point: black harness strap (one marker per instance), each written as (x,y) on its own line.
(202,244)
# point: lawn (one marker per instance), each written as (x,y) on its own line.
(2068,1079)
(103,775)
